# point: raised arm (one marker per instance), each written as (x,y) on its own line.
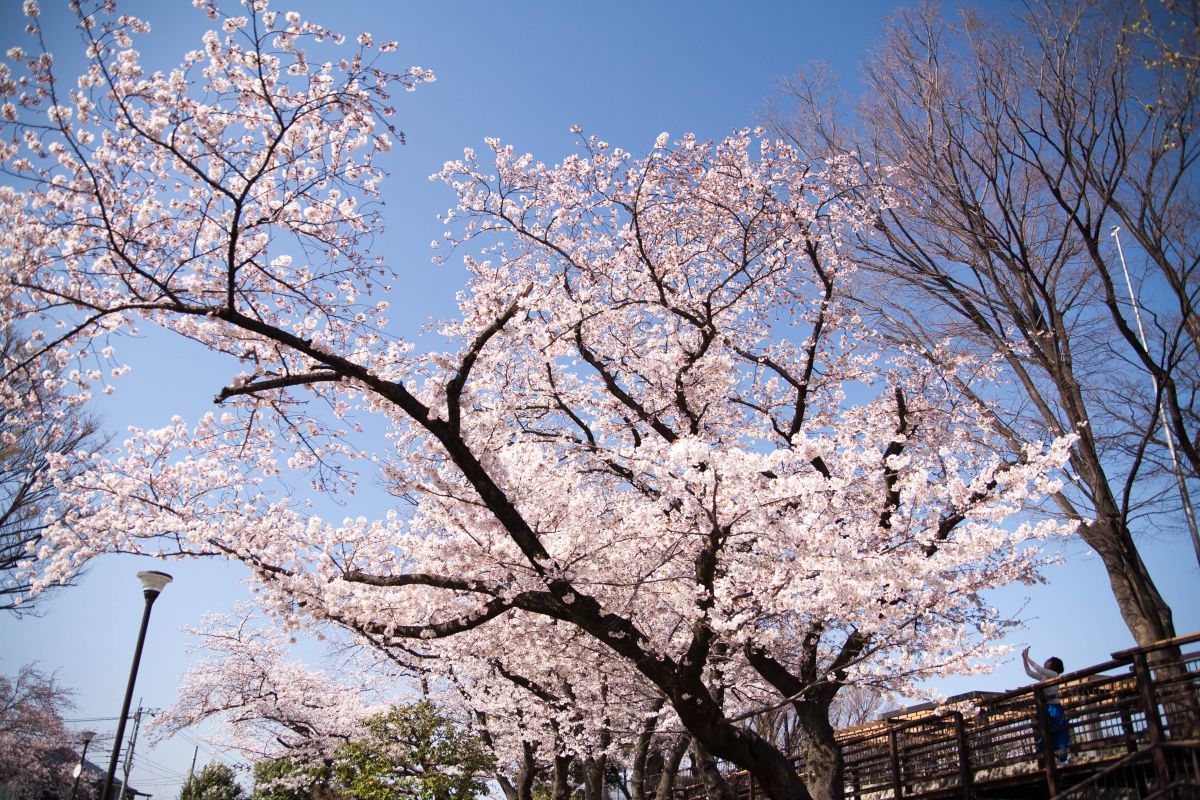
(1035,670)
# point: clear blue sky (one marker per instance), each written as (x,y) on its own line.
(525,72)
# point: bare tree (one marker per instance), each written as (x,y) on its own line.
(857,705)
(27,451)
(1012,149)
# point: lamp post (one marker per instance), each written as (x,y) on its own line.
(153,583)
(86,737)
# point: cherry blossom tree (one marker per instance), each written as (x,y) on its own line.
(565,720)
(273,709)
(659,433)
(29,443)
(36,749)
(268,705)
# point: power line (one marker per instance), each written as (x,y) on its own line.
(158,768)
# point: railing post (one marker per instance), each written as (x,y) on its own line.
(965,775)
(1043,727)
(894,750)
(1127,728)
(1145,684)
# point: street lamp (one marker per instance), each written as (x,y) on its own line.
(153,583)
(86,737)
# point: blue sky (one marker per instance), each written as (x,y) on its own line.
(524,72)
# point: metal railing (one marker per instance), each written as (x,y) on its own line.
(1138,775)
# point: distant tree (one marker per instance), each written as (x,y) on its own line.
(215,782)
(35,745)
(857,705)
(268,706)
(416,752)
(36,425)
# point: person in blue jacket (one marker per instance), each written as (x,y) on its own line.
(1060,732)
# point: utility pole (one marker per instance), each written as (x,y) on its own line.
(192,768)
(137,723)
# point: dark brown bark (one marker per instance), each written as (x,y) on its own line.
(525,778)
(715,785)
(594,770)
(665,789)
(646,757)
(560,778)
(819,755)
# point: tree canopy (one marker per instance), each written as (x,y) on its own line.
(36,748)
(662,469)
(215,781)
(412,751)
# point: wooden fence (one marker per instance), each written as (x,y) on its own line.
(1134,732)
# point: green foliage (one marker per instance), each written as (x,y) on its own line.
(215,782)
(414,752)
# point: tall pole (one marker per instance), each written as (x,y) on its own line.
(137,726)
(1188,513)
(192,769)
(152,586)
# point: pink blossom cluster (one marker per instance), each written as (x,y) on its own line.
(267,704)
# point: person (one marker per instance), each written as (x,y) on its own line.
(1060,733)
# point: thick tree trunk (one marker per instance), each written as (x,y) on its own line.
(1142,607)
(772,770)
(593,777)
(715,785)
(560,782)
(665,789)
(525,778)
(646,762)
(647,759)
(820,756)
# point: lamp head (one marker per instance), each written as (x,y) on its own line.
(87,736)
(153,582)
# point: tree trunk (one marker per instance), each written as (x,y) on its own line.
(647,761)
(715,785)
(524,785)
(773,771)
(665,789)
(645,757)
(506,786)
(593,777)
(560,783)
(1142,607)
(820,755)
